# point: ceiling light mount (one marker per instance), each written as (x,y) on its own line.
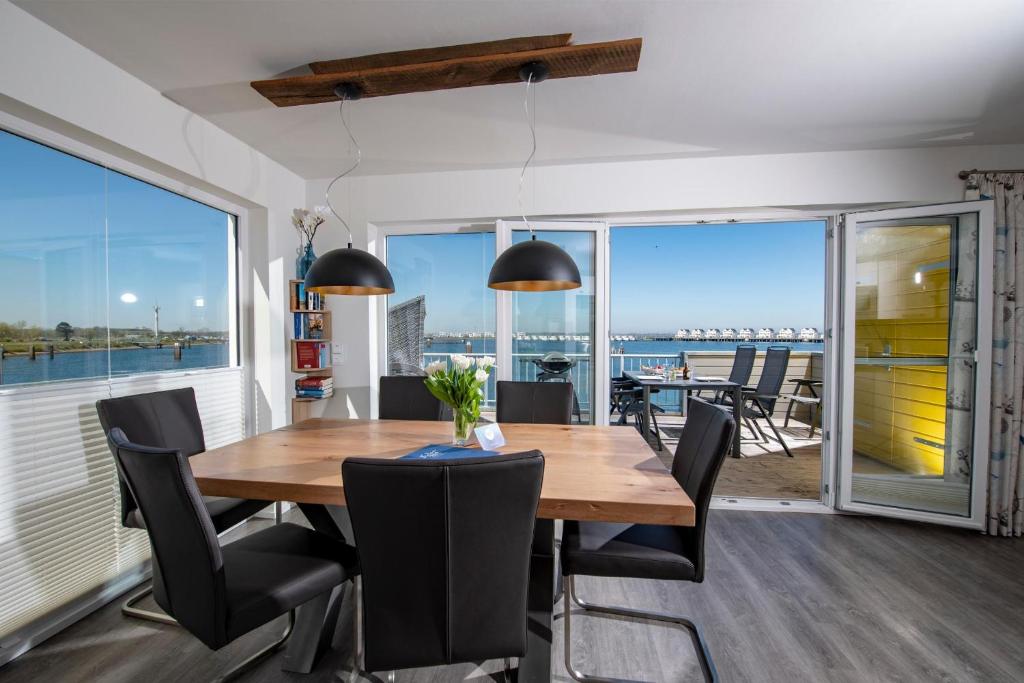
(348,91)
(534,72)
(468,65)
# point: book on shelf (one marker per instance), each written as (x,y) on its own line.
(312,393)
(314,387)
(308,326)
(312,355)
(306,301)
(314,381)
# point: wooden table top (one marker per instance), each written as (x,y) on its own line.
(591,473)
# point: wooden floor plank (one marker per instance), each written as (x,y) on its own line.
(788,597)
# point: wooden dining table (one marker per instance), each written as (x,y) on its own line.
(591,473)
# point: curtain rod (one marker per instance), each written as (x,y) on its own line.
(963,174)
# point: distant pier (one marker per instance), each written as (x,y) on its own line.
(454,338)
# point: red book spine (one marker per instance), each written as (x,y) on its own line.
(307,356)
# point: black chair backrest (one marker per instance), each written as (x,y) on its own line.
(161,419)
(444,550)
(182,535)
(703,444)
(407,398)
(535,402)
(743,363)
(773,374)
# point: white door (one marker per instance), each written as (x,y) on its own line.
(915,359)
(572,322)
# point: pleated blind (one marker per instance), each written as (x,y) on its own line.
(60,531)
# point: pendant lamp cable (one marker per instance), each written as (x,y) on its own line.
(359,159)
(533,151)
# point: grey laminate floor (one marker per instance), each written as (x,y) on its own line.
(789,597)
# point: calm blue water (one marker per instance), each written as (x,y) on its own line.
(525,370)
(85,364)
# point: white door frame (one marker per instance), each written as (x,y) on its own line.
(983,360)
(600,344)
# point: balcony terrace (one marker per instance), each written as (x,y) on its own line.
(763,471)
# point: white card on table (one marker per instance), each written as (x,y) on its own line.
(489,436)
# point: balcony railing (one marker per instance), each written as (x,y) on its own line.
(802,364)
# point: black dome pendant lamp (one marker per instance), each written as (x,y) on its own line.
(348,271)
(535,265)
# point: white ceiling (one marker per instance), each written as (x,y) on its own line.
(715,78)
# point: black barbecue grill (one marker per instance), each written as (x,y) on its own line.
(553,365)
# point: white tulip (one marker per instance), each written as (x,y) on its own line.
(436,367)
(486,362)
(481,375)
(461,362)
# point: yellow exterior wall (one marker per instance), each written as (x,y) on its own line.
(897,317)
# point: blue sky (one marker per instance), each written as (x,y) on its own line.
(63,219)
(722,275)
(662,278)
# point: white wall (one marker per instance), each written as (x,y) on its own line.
(49,80)
(816,182)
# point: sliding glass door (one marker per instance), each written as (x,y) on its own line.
(559,336)
(915,357)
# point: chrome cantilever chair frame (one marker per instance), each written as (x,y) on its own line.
(707,665)
(254,659)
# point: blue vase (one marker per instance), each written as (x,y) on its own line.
(304,261)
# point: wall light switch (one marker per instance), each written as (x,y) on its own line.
(337,352)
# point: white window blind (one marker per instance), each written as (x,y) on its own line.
(60,530)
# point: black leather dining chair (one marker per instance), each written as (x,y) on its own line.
(404,397)
(221,593)
(444,550)
(534,402)
(648,551)
(165,419)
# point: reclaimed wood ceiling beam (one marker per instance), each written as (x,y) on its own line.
(459,66)
(437,54)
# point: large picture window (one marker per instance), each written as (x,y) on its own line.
(110,286)
(105,275)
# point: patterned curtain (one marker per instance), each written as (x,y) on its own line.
(1006,476)
(962,344)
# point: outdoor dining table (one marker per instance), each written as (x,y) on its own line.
(596,473)
(647,382)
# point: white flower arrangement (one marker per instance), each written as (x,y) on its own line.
(436,367)
(307,222)
(461,387)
